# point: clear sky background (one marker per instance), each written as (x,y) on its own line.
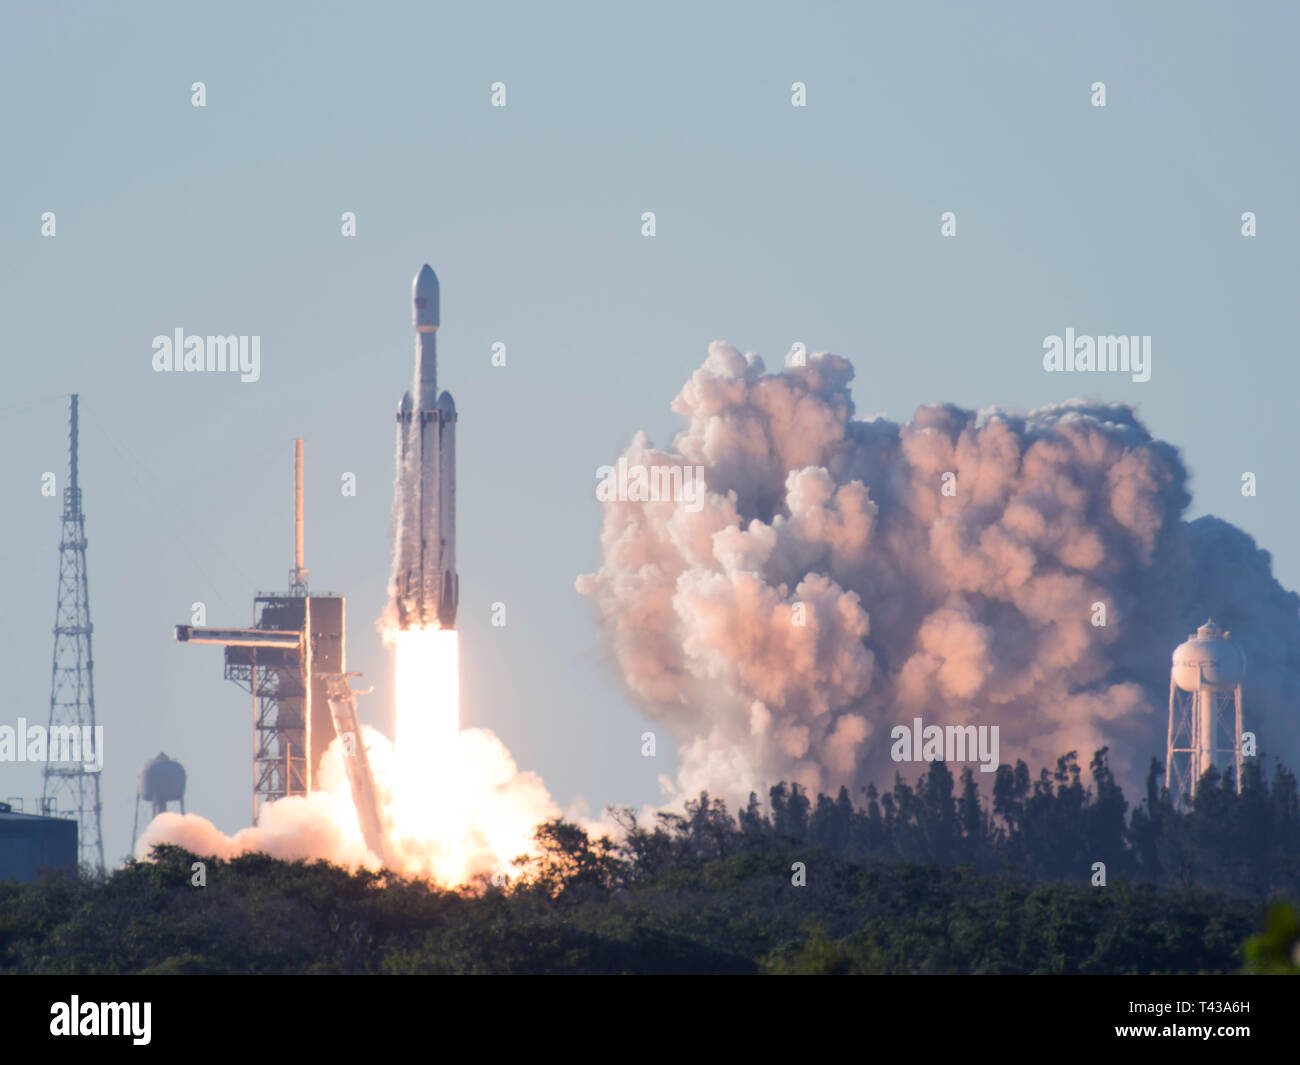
(775,225)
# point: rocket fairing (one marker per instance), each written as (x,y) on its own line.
(426,587)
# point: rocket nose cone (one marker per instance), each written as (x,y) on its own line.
(425,297)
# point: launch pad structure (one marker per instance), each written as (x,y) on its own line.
(294,639)
(291,661)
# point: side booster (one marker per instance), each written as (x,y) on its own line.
(427,588)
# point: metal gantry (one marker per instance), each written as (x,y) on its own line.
(71,787)
(294,636)
(356,761)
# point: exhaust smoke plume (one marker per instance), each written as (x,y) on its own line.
(485,818)
(829,589)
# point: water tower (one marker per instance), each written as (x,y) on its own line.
(1204,710)
(162,781)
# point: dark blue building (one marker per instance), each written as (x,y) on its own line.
(30,842)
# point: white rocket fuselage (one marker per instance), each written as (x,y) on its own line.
(427,587)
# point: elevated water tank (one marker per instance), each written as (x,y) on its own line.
(162,781)
(1208,661)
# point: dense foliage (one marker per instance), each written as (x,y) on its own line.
(923,878)
(1056,828)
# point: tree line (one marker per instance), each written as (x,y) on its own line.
(1054,827)
(927,877)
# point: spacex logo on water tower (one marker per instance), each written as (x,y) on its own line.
(426,587)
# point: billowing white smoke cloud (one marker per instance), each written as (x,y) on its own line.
(974,607)
(486,821)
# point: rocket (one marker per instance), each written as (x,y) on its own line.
(426,588)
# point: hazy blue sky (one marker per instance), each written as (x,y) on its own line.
(775,225)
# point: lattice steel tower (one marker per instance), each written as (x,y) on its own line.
(72,787)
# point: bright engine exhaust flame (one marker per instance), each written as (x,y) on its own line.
(459,807)
(427,687)
(454,806)
(427,784)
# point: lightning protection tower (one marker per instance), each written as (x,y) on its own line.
(71,785)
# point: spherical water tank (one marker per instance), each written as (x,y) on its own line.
(1209,660)
(162,780)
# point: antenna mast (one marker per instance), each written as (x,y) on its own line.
(71,786)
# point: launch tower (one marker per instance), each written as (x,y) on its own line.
(296,640)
